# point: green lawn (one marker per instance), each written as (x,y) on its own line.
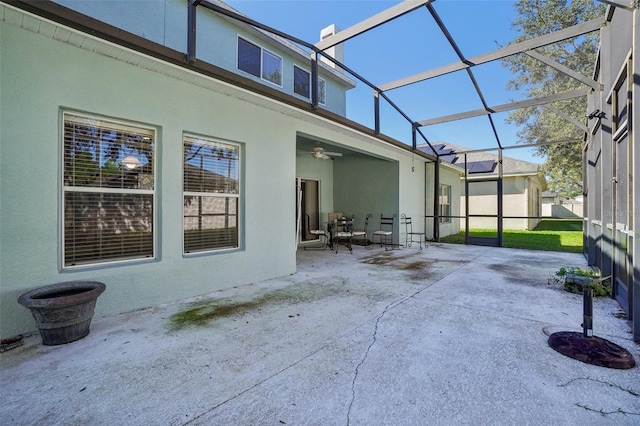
(550,234)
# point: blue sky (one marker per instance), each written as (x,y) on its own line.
(408,45)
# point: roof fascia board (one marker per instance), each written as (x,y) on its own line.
(371,23)
(507,107)
(524,46)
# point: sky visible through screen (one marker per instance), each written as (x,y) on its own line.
(409,45)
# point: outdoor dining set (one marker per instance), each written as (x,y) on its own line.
(340,230)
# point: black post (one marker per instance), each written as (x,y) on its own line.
(314,80)
(376,112)
(587,316)
(191,30)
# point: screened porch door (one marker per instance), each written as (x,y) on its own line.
(483,221)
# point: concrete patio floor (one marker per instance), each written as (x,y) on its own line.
(451,335)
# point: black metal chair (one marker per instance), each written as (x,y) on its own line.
(411,234)
(341,233)
(362,237)
(385,233)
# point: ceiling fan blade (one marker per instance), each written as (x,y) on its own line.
(333,154)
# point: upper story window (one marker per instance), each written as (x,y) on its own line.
(108,190)
(301,82)
(211,178)
(302,85)
(259,62)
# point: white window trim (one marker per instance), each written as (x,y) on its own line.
(262,50)
(310,86)
(294,82)
(64,189)
(325,91)
(440,218)
(238,196)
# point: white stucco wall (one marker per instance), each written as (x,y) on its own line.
(449,177)
(518,200)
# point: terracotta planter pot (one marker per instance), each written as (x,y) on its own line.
(63,311)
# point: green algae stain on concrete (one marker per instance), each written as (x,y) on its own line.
(203,313)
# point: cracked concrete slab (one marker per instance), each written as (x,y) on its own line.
(450,335)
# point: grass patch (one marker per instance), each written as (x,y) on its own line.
(550,235)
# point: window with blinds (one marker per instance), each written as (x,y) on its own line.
(108,190)
(211,194)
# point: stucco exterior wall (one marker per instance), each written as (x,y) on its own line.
(42,76)
(165,22)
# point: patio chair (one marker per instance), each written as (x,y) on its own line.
(341,233)
(410,234)
(385,233)
(332,217)
(320,233)
(361,237)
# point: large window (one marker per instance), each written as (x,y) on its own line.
(259,62)
(108,190)
(445,204)
(211,194)
(302,85)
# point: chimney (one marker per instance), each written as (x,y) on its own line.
(336,52)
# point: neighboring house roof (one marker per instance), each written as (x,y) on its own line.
(549,194)
(482,163)
(284,43)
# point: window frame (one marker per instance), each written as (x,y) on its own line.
(221,195)
(72,115)
(322,91)
(263,51)
(297,69)
(444,218)
(322,94)
(622,85)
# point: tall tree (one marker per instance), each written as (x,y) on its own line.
(563,162)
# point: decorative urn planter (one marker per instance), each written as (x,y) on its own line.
(63,311)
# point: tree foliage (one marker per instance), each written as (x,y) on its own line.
(563,162)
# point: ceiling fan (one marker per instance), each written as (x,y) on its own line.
(320,154)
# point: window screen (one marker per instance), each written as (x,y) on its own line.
(259,62)
(322,92)
(301,82)
(211,194)
(248,57)
(108,190)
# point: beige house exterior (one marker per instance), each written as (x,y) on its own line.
(522,188)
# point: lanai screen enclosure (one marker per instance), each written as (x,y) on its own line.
(610,89)
(613,253)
